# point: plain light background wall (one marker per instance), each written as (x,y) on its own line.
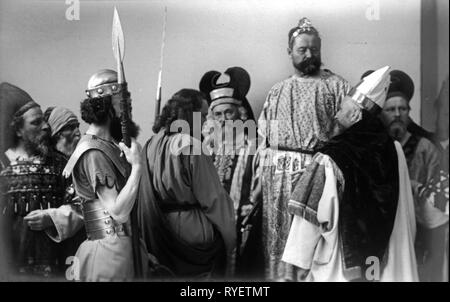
(434,55)
(442,9)
(52,58)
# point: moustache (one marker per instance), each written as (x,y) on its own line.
(310,65)
(397,121)
(39,144)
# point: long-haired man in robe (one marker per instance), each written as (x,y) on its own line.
(185,215)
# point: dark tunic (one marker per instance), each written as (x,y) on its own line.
(97,163)
(236,173)
(367,157)
(185,216)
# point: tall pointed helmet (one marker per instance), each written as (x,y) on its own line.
(371,92)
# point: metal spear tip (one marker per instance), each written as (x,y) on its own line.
(118,42)
(118,45)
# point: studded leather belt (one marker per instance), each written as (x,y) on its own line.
(99,223)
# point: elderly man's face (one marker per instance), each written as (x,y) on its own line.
(35,132)
(395,116)
(305,54)
(225,112)
(69,137)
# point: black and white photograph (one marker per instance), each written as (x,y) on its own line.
(224,142)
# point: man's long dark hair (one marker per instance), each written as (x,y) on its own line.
(98,110)
(181,106)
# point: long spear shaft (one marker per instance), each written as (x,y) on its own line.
(118,46)
(158,90)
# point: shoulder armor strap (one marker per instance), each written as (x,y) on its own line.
(86,144)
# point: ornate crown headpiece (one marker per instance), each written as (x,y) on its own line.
(304,26)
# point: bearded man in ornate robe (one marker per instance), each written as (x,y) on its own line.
(296,120)
(31,185)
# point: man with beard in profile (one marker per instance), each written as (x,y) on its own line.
(296,119)
(106,184)
(64,128)
(31,182)
(65,135)
(233,156)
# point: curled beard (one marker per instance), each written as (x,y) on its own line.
(115,129)
(38,145)
(309,66)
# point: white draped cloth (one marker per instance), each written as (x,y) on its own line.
(318,248)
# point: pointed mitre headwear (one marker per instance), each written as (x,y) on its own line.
(371,92)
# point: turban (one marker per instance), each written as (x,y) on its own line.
(14,102)
(401,84)
(59,118)
(234,92)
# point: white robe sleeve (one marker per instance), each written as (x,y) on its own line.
(308,243)
(67,220)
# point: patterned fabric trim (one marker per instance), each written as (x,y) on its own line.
(303,211)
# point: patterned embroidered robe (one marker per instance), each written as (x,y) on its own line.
(298,114)
(238,173)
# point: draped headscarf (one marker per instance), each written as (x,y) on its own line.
(59,118)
